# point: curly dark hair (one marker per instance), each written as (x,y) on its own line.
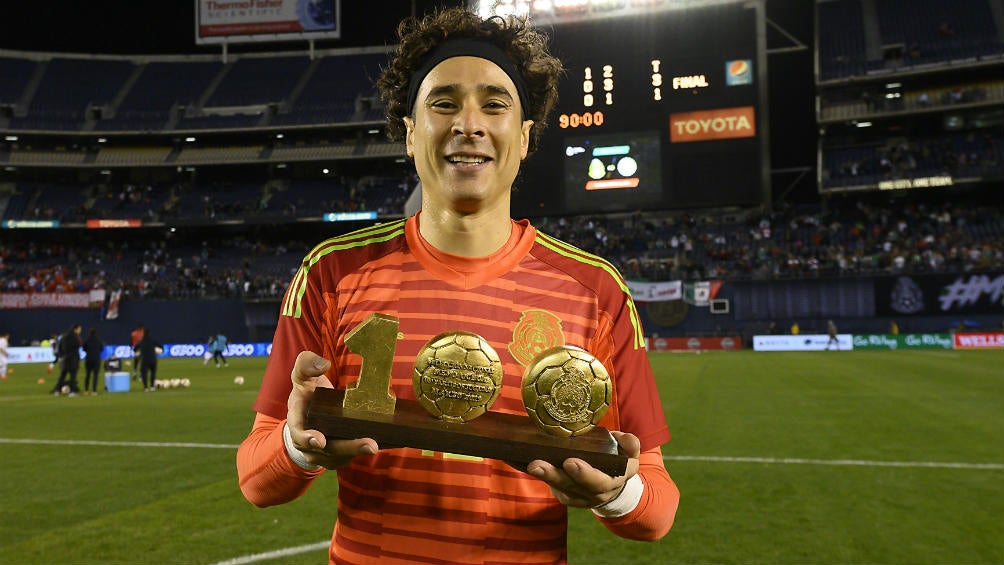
(527,47)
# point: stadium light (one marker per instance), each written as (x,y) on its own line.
(560,11)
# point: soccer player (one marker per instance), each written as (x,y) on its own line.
(146,351)
(469,97)
(4,344)
(831,332)
(135,337)
(219,347)
(69,355)
(93,346)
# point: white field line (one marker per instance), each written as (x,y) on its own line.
(837,462)
(255,557)
(706,458)
(118,443)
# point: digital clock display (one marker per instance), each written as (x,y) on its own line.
(584,120)
(677,91)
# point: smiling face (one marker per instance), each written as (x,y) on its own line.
(467,136)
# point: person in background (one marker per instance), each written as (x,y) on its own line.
(208,355)
(794,328)
(135,337)
(831,331)
(147,351)
(53,342)
(219,347)
(93,346)
(893,328)
(4,353)
(69,359)
(469,97)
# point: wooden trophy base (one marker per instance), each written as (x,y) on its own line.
(508,437)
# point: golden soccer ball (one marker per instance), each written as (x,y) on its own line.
(566,391)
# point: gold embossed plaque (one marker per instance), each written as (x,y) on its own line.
(456,377)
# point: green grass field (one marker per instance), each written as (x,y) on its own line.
(853,457)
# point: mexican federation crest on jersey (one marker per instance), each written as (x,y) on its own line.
(906,296)
(536,331)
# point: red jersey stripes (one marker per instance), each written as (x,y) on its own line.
(410,506)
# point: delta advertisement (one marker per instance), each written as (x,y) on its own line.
(44,354)
(808,342)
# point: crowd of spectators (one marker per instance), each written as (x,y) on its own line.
(850,237)
(216,201)
(972,154)
(152,269)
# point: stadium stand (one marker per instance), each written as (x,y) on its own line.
(72,92)
(162,88)
(17,73)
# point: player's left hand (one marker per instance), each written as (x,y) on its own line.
(576,483)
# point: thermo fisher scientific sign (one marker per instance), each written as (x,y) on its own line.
(249,21)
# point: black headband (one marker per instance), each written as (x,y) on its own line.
(467,47)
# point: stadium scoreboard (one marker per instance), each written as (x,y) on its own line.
(661,111)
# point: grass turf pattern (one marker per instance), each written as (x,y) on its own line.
(817,457)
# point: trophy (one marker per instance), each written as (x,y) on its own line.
(456,378)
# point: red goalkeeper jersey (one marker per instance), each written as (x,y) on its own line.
(412,506)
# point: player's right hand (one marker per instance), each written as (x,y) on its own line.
(307,375)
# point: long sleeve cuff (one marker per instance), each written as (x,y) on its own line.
(266,472)
(653,515)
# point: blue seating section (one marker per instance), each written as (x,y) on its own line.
(959,155)
(259,81)
(69,87)
(15,73)
(927,32)
(841,39)
(330,94)
(943,30)
(161,85)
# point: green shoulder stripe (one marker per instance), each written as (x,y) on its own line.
(292,304)
(572,252)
